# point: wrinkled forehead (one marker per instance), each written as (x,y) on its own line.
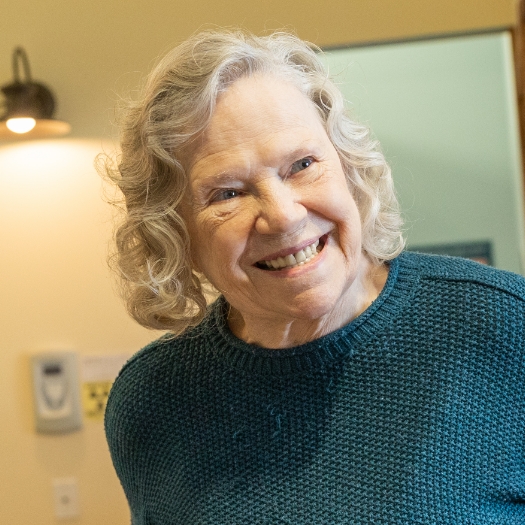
(253,107)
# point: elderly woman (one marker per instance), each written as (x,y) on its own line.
(334,380)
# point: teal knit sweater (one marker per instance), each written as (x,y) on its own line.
(414,413)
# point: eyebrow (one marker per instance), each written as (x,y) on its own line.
(228,175)
(219,177)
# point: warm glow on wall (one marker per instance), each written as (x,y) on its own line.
(46,170)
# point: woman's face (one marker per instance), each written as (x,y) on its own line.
(272,222)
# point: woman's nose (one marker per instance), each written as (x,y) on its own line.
(280,209)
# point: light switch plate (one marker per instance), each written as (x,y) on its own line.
(66,497)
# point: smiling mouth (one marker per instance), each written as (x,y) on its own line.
(294,259)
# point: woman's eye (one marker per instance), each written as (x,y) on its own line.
(225,195)
(301,164)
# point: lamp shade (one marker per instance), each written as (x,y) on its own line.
(29,106)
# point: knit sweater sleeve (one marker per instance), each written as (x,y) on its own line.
(131,423)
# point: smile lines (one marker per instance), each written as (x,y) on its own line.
(297,259)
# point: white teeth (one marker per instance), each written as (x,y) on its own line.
(290,260)
(297,259)
(300,256)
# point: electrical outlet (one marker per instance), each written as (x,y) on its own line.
(66,497)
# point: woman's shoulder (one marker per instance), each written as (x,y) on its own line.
(459,270)
(169,353)
(145,373)
(149,358)
(468,310)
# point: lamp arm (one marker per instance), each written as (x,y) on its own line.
(19,55)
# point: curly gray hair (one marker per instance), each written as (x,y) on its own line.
(152,256)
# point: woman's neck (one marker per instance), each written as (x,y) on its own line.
(275,332)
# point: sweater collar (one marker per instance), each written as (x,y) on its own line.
(322,352)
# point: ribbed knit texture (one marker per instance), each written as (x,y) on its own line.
(414,413)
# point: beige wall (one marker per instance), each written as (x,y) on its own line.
(88,51)
(54,227)
(56,295)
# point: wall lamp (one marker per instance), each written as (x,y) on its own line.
(29,106)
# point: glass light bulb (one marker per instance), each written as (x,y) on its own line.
(21,125)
